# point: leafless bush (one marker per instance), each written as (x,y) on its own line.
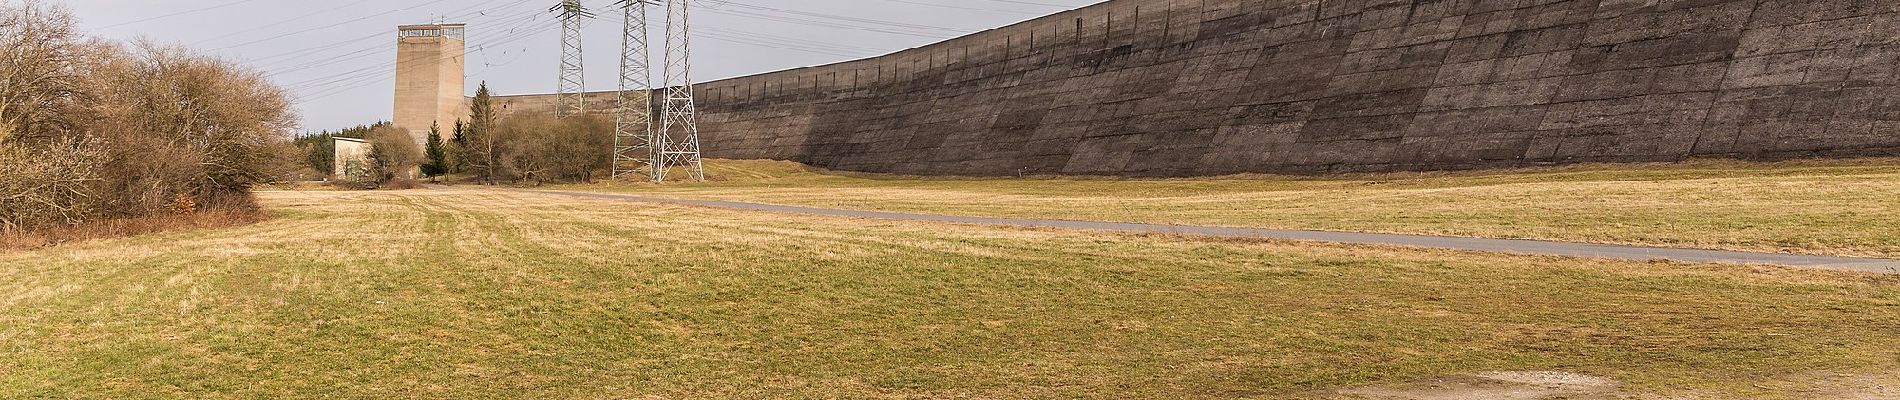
(47,185)
(222,126)
(218,217)
(401,184)
(540,147)
(393,154)
(91,129)
(46,172)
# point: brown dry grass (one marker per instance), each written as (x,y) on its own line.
(1818,207)
(497,294)
(401,184)
(113,228)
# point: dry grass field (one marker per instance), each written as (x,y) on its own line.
(1834,208)
(494,294)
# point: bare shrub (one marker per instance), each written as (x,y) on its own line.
(393,154)
(45,169)
(401,184)
(541,147)
(47,185)
(90,129)
(108,228)
(226,121)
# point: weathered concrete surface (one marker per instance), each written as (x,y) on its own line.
(1208,87)
(429,80)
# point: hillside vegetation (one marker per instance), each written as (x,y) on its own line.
(497,294)
(1838,208)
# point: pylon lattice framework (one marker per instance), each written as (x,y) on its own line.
(569,93)
(634,151)
(678,136)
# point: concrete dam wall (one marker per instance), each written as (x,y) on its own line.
(1210,87)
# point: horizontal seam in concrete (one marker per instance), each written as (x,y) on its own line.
(1516,246)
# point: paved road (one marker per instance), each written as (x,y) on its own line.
(1538,247)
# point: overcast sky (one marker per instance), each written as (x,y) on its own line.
(336,55)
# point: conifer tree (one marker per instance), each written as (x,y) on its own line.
(437,160)
(455,150)
(482,145)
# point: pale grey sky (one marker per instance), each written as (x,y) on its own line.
(336,55)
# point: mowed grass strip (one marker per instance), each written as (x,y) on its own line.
(1833,208)
(497,294)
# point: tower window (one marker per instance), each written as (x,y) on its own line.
(454,32)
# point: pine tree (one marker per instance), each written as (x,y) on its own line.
(456,150)
(437,162)
(483,148)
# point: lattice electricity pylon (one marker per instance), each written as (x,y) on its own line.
(678,136)
(573,83)
(634,152)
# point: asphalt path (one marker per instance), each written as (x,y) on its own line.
(1516,246)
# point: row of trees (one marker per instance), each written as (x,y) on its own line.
(489,148)
(319,149)
(530,147)
(91,128)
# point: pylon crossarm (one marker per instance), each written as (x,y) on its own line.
(573,81)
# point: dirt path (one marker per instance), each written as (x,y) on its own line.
(1537,247)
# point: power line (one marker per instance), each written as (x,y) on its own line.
(1032,3)
(321,81)
(177,14)
(965,8)
(810,22)
(782,44)
(344,82)
(341,83)
(379,47)
(301,17)
(329,26)
(732,36)
(349,80)
(848,19)
(326,47)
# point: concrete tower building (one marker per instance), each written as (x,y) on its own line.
(429,80)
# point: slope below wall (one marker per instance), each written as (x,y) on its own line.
(1192,87)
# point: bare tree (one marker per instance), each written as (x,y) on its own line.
(392,154)
(38,78)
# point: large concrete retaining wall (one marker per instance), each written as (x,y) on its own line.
(1208,87)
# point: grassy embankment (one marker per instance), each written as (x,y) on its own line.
(483,294)
(1836,208)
